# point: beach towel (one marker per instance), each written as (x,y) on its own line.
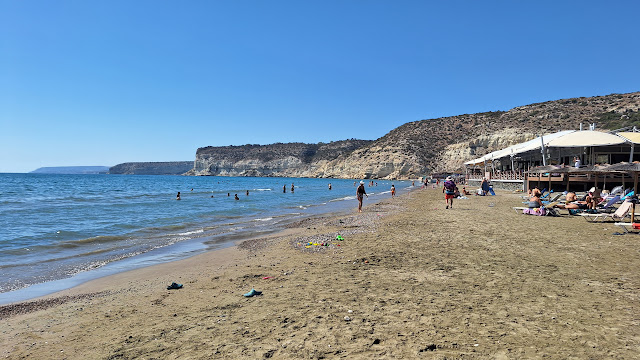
(535,211)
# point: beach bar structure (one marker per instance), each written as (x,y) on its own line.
(522,166)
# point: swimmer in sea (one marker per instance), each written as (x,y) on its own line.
(236,196)
(178,197)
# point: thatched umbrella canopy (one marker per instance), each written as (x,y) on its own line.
(593,169)
(634,169)
(625,167)
(546,169)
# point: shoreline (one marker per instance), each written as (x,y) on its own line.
(412,280)
(173,252)
(226,254)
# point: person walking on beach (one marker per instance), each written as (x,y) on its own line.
(449,189)
(360,193)
(393,191)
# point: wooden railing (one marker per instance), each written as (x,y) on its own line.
(500,175)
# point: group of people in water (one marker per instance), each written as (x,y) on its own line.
(360,192)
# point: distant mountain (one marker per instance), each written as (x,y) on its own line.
(152,168)
(72,170)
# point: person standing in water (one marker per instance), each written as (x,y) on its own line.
(393,191)
(284,188)
(236,197)
(329,186)
(292,188)
(360,193)
(178,197)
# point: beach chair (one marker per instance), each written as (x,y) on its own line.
(555,198)
(609,204)
(619,214)
(631,193)
(625,227)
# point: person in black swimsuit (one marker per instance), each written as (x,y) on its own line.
(360,193)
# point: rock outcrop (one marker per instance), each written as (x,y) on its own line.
(152,168)
(278,160)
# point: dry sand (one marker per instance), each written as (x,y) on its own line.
(410,280)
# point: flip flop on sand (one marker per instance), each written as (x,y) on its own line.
(174,286)
(253,292)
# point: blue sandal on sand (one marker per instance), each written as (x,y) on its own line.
(174,286)
(253,292)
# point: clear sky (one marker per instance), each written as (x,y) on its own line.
(105,82)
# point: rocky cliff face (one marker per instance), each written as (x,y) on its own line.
(443,145)
(421,147)
(152,168)
(279,160)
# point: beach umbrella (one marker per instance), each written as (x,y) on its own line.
(632,168)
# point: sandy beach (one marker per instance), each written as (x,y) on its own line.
(409,280)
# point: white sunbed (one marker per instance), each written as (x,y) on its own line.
(621,213)
(625,226)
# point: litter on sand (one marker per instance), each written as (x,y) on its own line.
(174,286)
(253,292)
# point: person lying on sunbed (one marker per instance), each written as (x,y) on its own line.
(572,202)
(593,198)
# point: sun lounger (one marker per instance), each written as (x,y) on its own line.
(552,199)
(619,214)
(627,226)
(608,206)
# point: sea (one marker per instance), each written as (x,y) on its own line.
(58,231)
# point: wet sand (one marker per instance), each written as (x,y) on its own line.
(409,280)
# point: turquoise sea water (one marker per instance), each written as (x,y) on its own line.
(59,230)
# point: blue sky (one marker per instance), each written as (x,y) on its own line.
(106,82)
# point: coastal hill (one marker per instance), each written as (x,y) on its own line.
(444,144)
(71,170)
(409,151)
(152,168)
